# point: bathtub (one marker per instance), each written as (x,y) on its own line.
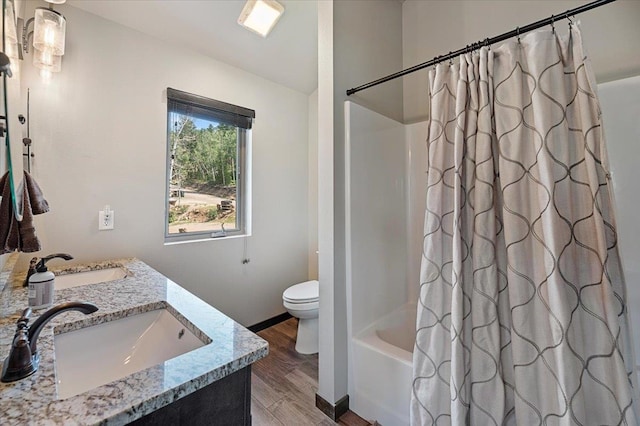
(381,368)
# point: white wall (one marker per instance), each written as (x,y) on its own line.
(313,186)
(99,136)
(432,28)
(365,43)
(327,386)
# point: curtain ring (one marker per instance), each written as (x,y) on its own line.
(553,28)
(450,59)
(518,34)
(569,19)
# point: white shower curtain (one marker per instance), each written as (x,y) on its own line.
(522,316)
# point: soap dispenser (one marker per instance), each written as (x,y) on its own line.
(42,281)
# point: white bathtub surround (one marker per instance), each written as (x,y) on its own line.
(522,303)
(376,245)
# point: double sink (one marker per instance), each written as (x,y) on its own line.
(99,354)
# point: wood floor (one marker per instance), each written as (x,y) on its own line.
(284,384)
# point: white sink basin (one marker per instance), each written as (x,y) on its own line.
(89,277)
(96,355)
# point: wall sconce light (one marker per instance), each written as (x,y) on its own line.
(11,36)
(48,34)
(260,16)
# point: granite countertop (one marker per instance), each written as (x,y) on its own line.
(33,400)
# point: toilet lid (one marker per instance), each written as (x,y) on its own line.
(302,293)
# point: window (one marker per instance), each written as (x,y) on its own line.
(208,144)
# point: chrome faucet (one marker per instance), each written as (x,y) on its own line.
(23,359)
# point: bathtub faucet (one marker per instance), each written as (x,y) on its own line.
(23,359)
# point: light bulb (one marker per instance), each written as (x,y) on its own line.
(49,31)
(47,60)
(45,75)
(49,35)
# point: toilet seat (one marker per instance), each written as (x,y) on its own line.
(303,293)
(299,307)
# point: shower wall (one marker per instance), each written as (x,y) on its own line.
(386,190)
(385,199)
(376,215)
(416,143)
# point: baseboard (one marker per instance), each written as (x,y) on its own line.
(330,410)
(269,322)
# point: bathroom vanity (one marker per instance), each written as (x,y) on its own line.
(208,384)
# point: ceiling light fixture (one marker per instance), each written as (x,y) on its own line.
(260,16)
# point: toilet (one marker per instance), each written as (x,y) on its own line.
(302,301)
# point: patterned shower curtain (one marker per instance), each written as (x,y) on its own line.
(522,317)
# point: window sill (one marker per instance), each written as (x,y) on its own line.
(203,240)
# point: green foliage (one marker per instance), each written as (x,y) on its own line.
(175,212)
(205,155)
(212,213)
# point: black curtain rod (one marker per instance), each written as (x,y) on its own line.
(486,42)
